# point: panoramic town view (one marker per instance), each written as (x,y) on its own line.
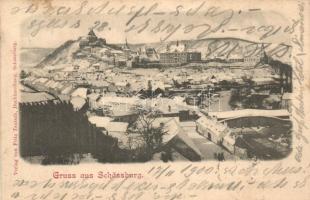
(184,100)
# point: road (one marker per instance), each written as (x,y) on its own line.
(224,102)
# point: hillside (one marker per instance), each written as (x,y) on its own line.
(67,53)
(60,55)
(32,56)
(215,47)
(83,52)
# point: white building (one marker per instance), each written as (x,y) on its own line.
(216,132)
(80,92)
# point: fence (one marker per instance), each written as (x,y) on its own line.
(54,128)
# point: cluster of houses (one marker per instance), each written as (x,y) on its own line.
(93,47)
(179,54)
(110,97)
(175,54)
(97,71)
(114,115)
(220,134)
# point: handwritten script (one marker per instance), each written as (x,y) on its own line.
(298,76)
(158,183)
(152,18)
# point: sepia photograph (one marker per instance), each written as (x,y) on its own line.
(92,100)
(162,99)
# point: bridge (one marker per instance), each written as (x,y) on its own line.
(252,117)
(226,115)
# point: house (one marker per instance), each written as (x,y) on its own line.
(119,100)
(112,87)
(93,99)
(179,57)
(119,108)
(229,143)
(216,132)
(79,103)
(164,156)
(118,130)
(99,86)
(100,122)
(122,86)
(30,97)
(176,140)
(80,92)
(67,89)
(91,40)
(213,130)
(117,127)
(179,54)
(123,113)
(151,53)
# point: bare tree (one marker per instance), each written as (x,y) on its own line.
(151,135)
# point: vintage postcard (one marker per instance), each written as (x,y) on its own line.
(165,100)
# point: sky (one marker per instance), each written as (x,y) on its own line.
(114,31)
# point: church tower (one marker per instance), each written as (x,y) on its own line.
(92,36)
(263,55)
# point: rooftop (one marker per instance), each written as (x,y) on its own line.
(117,127)
(80,92)
(249,113)
(118,100)
(100,122)
(78,102)
(215,126)
(28,97)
